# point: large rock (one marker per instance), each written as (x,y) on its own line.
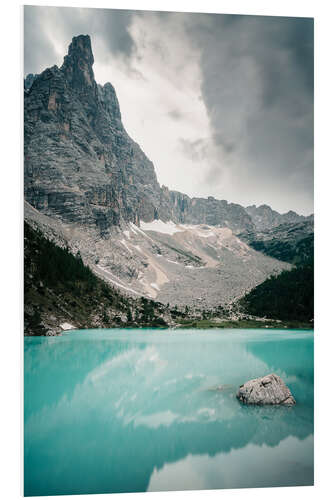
(268,390)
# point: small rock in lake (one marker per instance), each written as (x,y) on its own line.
(268,390)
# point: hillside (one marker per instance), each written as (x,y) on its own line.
(59,288)
(198,266)
(289,241)
(288,296)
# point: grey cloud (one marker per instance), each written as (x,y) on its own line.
(175,114)
(258,89)
(257,86)
(228,146)
(41,24)
(38,49)
(112,27)
(195,150)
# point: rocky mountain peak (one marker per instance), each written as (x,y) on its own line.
(78,63)
(82,167)
(265,208)
(264,217)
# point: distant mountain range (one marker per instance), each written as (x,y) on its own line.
(88,186)
(263,217)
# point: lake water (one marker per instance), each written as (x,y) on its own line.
(138,410)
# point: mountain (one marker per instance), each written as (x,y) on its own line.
(81,165)
(289,242)
(290,295)
(199,266)
(263,217)
(60,290)
(287,297)
(289,238)
(91,189)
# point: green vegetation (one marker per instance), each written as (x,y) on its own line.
(287,297)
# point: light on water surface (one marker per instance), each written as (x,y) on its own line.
(136,410)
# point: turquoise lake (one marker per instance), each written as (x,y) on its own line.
(138,410)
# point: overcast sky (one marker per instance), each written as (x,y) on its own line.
(223,105)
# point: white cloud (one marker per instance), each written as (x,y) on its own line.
(160,101)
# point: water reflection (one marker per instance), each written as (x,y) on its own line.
(292,458)
(117,411)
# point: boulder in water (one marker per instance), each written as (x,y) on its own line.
(268,390)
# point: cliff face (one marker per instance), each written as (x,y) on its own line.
(80,164)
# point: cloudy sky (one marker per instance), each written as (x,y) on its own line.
(223,105)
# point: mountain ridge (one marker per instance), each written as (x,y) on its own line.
(89,186)
(64,101)
(60,103)
(264,217)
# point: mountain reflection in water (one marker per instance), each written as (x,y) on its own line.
(135,410)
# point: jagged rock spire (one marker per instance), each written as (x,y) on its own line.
(78,63)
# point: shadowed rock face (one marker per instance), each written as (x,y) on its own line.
(268,390)
(265,218)
(290,242)
(80,164)
(29,80)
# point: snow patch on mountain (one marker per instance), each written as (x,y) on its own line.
(162,227)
